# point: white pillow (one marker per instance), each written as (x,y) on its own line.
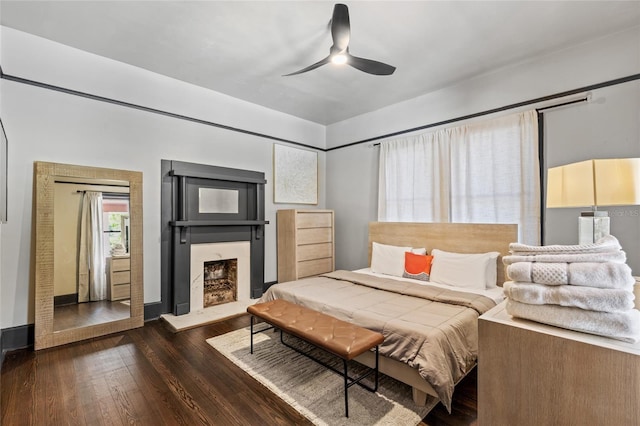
(387,259)
(475,270)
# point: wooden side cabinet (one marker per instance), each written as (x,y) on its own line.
(119,278)
(305,243)
(534,374)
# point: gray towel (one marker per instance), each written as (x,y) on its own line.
(593,299)
(623,326)
(589,274)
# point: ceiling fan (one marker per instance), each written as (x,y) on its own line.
(339,51)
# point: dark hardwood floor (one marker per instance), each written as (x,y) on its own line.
(150,376)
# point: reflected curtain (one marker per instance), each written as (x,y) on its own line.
(486,172)
(92,283)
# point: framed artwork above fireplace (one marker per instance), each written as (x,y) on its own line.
(295,175)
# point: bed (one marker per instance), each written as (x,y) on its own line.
(430,329)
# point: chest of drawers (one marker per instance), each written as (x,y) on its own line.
(305,243)
(119,278)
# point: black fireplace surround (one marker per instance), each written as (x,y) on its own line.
(184,223)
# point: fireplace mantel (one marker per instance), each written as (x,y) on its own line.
(188,223)
(185,222)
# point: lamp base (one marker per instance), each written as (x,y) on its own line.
(592,226)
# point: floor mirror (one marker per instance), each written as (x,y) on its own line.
(88,254)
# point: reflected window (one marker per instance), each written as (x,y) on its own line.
(116,224)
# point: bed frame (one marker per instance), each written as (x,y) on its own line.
(453,237)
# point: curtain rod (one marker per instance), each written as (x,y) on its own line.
(575,101)
(102,192)
(108,194)
(500,109)
(79,181)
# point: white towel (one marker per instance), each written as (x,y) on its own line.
(605,244)
(593,299)
(623,326)
(618,256)
(589,274)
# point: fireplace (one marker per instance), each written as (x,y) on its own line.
(213,235)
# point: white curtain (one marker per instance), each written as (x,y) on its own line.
(413,179)
(484,172)
(92,284)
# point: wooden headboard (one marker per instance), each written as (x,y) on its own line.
(452,237)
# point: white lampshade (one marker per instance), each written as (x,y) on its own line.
(617,182)
(603,182)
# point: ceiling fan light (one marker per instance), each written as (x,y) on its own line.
(339,59)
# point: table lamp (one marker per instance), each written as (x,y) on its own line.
(602,182)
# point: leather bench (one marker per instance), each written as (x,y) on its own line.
(340,338)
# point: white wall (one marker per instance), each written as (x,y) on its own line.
(607,127)
(352,171)
(352,191)
(45,125)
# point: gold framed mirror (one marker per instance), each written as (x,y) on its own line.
(119,304)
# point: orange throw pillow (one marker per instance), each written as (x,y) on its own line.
(417,266)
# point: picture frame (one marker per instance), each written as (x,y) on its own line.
(3,174)
(295,175)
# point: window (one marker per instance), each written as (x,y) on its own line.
(116,223)
(483,172)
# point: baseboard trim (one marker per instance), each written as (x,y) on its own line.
(23,336)
(20,337)
(152,311)
(65,299)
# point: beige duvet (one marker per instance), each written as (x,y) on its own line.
(433,330)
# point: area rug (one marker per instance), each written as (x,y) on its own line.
(314,391)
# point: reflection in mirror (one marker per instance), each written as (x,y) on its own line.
(91,275)
(87,253)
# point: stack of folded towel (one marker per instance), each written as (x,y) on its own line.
(587,288)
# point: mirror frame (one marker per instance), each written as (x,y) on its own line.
(45,174)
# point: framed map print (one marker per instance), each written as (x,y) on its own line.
(295,175)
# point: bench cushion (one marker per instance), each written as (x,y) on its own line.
(339,337)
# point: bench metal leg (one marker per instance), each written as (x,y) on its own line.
(252,334)
(346,389)
(375,387)
(258,331)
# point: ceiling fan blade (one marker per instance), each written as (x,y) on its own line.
(340,28)
(311,67)
(370,66)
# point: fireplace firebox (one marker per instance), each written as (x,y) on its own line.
(220,282)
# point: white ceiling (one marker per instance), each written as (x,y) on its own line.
(243,48)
